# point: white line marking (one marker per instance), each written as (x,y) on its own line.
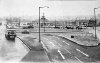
(79,60)
(57,43)
(52,43)
(68,51)
(83,53)
(60,45)
(45,51)
(65,43)
(46,38)
(61,54)
(44,46)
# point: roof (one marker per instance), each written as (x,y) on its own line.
(11,29)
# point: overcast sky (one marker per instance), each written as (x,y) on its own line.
(57,8)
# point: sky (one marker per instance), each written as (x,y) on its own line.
(58,9)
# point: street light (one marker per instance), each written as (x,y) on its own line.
(39,21)
(95,20)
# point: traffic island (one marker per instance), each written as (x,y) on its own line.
(32,43)
(37,52)
(86,39)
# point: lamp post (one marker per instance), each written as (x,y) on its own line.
(39,21)
(95,20)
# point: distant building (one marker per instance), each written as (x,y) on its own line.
(82,23)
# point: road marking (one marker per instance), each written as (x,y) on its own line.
(68,51)
(79,60)
(83,53)
(46,38)
(61,54)
(57,43)
(60,45)
(45,51)
(65,43)
(52,43)
(44,46)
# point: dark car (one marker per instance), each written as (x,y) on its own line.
(57,27)
(25,32)
(69,27)
(10,34)
(78,27)
(25,27)
(30,27)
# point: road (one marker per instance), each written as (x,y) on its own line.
(57,49)
(13,51)
(66,50)
(10,51)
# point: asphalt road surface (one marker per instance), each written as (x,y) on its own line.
(58,49)
(62,49)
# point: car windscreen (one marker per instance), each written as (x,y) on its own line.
(12,32)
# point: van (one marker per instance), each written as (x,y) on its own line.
(10,34)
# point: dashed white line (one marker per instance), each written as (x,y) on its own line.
(44,46)
(46,38)
(52,43)
(68,51)
(65,43)
(58,43)
(61,54)
(79,60)
(46,50)
(83,53)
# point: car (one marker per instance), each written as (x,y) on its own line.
(25,27)
(30,27)
(78,27)
(10,34)
(25,32)
(69,27)
(57,27)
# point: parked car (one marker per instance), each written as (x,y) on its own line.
(25,27)
(10,34)
(69,27)
(57,27)
(30,27)
(78,27)
(25,32)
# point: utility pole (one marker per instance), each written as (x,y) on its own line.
(95,20)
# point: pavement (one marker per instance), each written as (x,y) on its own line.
(37,51)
